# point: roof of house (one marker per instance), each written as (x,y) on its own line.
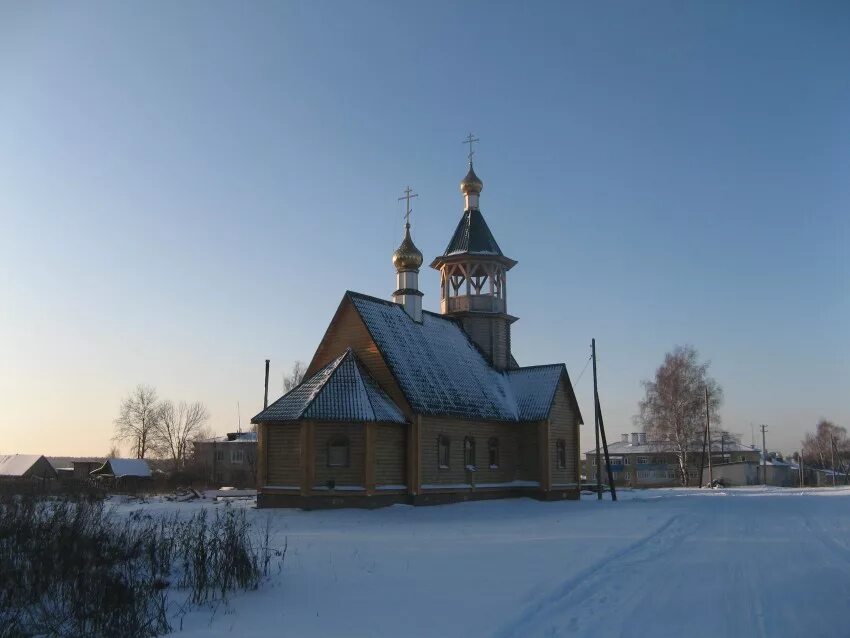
(232,437)
(439,370)
(472,236)
(17,464)
(621,447)
(124,467)
(341,391)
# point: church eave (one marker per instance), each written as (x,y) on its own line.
(471,257)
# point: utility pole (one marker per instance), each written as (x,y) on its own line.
(596,425)
(763,455)
(708,433)
(266,395)
(802,480)
(832,439)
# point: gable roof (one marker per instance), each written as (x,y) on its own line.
(341,391)
(441,371)
(534,389)
(18,464)
(124,467)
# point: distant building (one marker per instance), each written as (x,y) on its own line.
(636,462)
(33,466)
(123,473)
(228,460)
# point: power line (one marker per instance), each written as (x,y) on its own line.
(583,371)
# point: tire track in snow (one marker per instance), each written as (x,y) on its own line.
(829,542)
(578,589)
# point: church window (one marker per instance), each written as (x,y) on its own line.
(338,452)
(443,451)
(469,453)
(561,449)
(493,449)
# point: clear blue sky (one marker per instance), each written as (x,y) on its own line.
(188,188)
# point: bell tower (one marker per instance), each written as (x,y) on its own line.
(473,277)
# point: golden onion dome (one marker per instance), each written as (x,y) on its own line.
(471,183)
(407,256)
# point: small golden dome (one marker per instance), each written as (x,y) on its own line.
(471,183)
(407,256)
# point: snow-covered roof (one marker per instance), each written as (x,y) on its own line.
(233,437)
(534,388)
(341,391)
(17,464)
(621,447)
(124,467)
(439,370)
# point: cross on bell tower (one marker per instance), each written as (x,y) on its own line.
(473,276)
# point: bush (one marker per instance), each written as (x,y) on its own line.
(71,569)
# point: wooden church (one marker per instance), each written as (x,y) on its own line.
(401,405)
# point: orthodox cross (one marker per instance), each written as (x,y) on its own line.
(470,139)
(408,195)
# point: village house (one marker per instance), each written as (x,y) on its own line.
(636,462)
(402,405)
(227,460)
(123,473)
(26,466)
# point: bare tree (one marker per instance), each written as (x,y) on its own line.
(828,447)
(295,376)
(138,420)
(673,410)
(178,426)
(114,452)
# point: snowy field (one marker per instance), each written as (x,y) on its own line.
(673,562)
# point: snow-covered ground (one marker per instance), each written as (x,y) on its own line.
(674,562)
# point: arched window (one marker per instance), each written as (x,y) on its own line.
(561,453)
(469,452)
(443,451)
(339,452)
(493,449)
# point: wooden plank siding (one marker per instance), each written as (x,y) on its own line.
(511,466)
(563,425)
(280,445)
(491,334)
(347,330)
(390,454)
(354,474)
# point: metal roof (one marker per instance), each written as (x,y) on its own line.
(472,236)
(341,391)
(17,464)
(441,371)
(124,467)
(534,389)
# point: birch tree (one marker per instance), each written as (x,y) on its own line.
(295,376)
(138,420)
(828,447)
(673,411)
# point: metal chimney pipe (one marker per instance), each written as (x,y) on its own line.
(266,393)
